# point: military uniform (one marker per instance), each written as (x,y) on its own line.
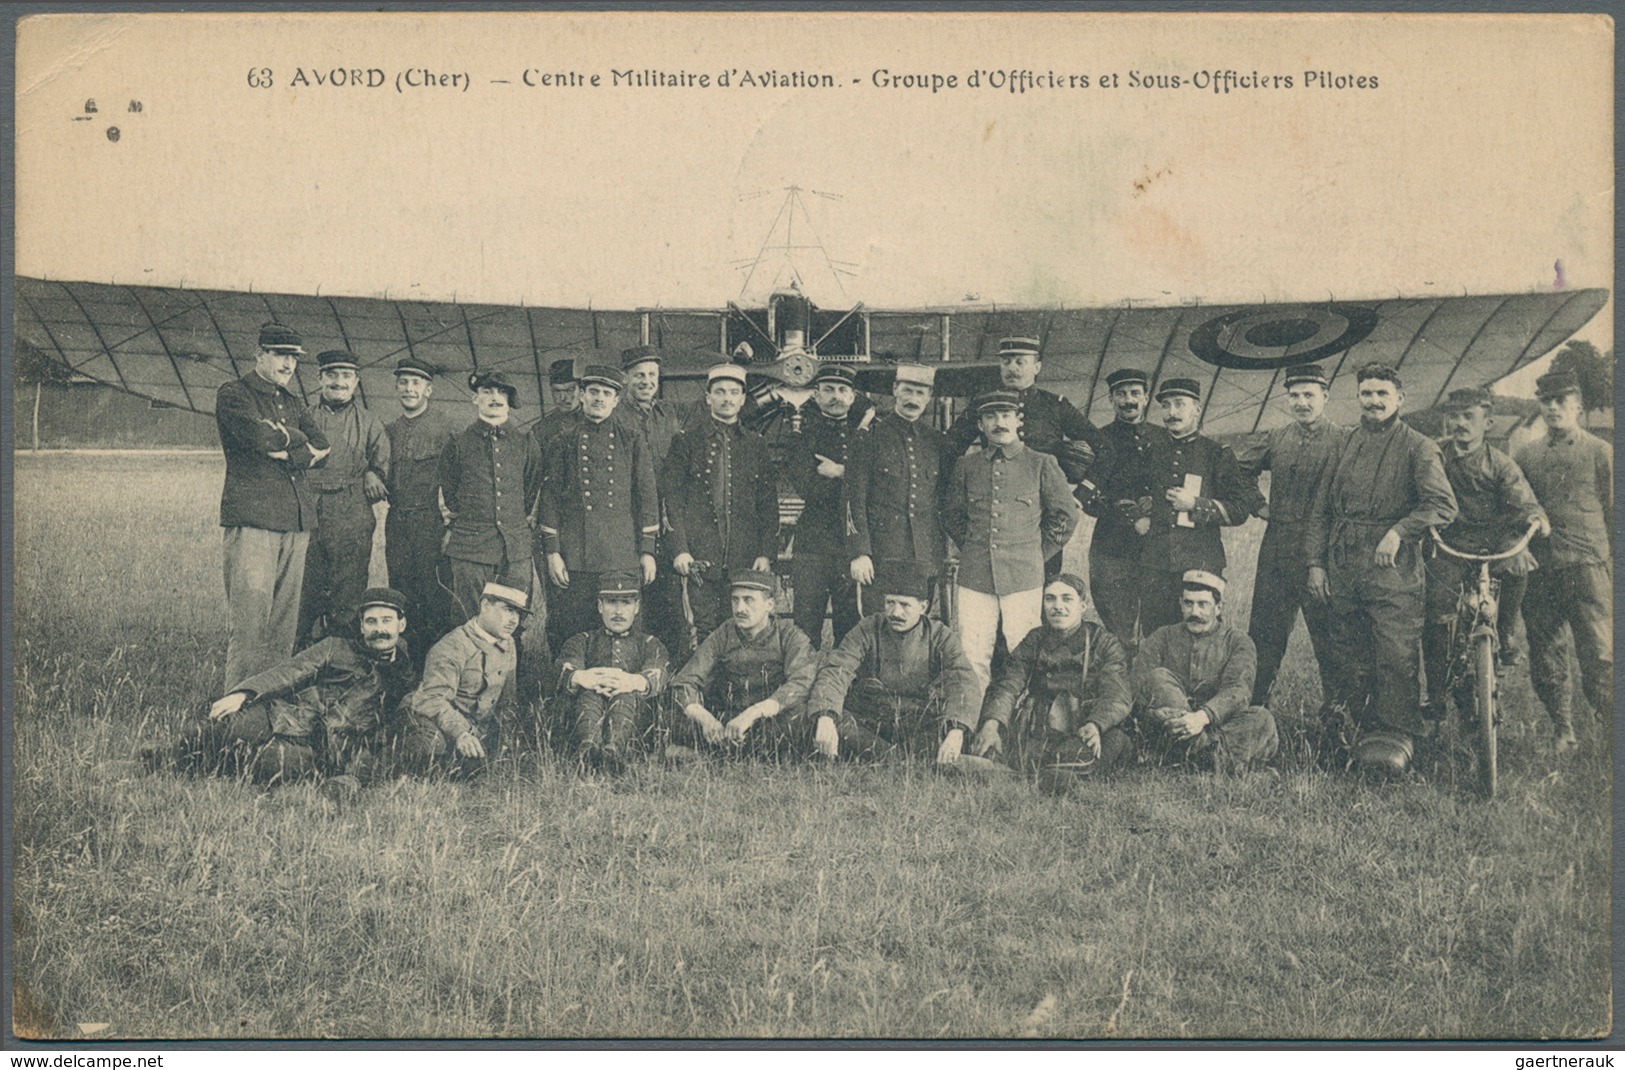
(617,722)
(894,480)
(1176,670)
(1297,458)
(1570,596)
(468,687)
(1047,422)
(414,524)
(1118,494)
(267,510)
(731,672)
(820,570)
(1388,476)
(336,566)
(489,475)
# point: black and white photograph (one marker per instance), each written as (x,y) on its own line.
(779,526)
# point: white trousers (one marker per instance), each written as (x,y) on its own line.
(981,616)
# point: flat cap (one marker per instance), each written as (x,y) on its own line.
(413,366)
(752,579)
(835,373)
(1556,384)
(495,380)
(1466,398)
(998,401)
(1306,373)
(603,375)
(1179,388)
(1127,377)
(1202,580)
(624,584)
(631,358)
(501,592)
(382,596)
(906,578)
(336,358)
(920,374)
(561,371)
(277,336)
(1017,346)
(725,371)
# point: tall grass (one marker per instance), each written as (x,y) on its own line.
(736,900)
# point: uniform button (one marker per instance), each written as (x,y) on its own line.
(499,494)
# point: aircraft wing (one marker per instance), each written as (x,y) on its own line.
(177,346)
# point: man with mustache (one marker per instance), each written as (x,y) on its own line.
(745,689)
(267,509)
(1050,423)
(1297,457)
(659,420)
(1570,597)
(898,683)
(328,711)
(598,511)
(564,397)
(831,420)
(1193,681)
(1197,489)
(1008,508)
(610,676)
(415,523)
(1365,538)
(1118,495)
(721,499)
(455,720)
(893,484)
(340,553)
(1057,706)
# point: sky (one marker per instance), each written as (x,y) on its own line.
(1476,156)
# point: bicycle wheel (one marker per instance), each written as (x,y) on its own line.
(1484,707)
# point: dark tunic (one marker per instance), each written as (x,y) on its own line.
(895,474)
(1227,497)
(910,669)
(729,672)
(598,505)
(257,418)
(336,684)
(488,475)
(721,499)
(822,527)
(1121,474)
(1087,663)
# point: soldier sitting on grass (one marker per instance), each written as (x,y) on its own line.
(325,712)
(454,719)
(608,677)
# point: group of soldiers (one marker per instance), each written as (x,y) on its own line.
(655,531)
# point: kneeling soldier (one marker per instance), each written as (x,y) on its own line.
(455,716)
(325,711)
(1074,674)
(899,682)
(1193,682)
(609,675)
(755,668)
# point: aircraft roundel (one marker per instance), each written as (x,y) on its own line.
(1263,339)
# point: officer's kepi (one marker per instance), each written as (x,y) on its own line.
(382,596)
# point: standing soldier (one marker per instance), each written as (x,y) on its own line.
(414,525)
(893,485)
(1119,498)
(346,487)
(718,486)
(489,473)
(266,508)
(1049,423)
(1197,488)
(1371,513)
(598,511)
(564,391)
(830,421)
(1570,597)
(660,420)
(1297,457)
(1009,509)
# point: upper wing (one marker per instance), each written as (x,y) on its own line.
(177,346)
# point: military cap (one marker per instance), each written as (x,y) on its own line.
(413,366)
(908,579)
(1017,346)
(336,358)
(725,371)
(603,375)
(496,381)
(561,372)
(1126,377)
(1556,384)
(836,373)
(624,584)
(1201,579)
(1466,398)
(751,579)
(921,374)
(998,401)
(1073,582)
(501,592)
(274,335)
(1179,388)
(631,358)
(382,596)
(1306,373)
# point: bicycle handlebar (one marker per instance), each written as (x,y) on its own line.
(1517,547)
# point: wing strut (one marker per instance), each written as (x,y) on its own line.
(173,363)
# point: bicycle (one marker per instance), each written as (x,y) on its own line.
(1475,648)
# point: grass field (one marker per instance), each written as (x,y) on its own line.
(737,900)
